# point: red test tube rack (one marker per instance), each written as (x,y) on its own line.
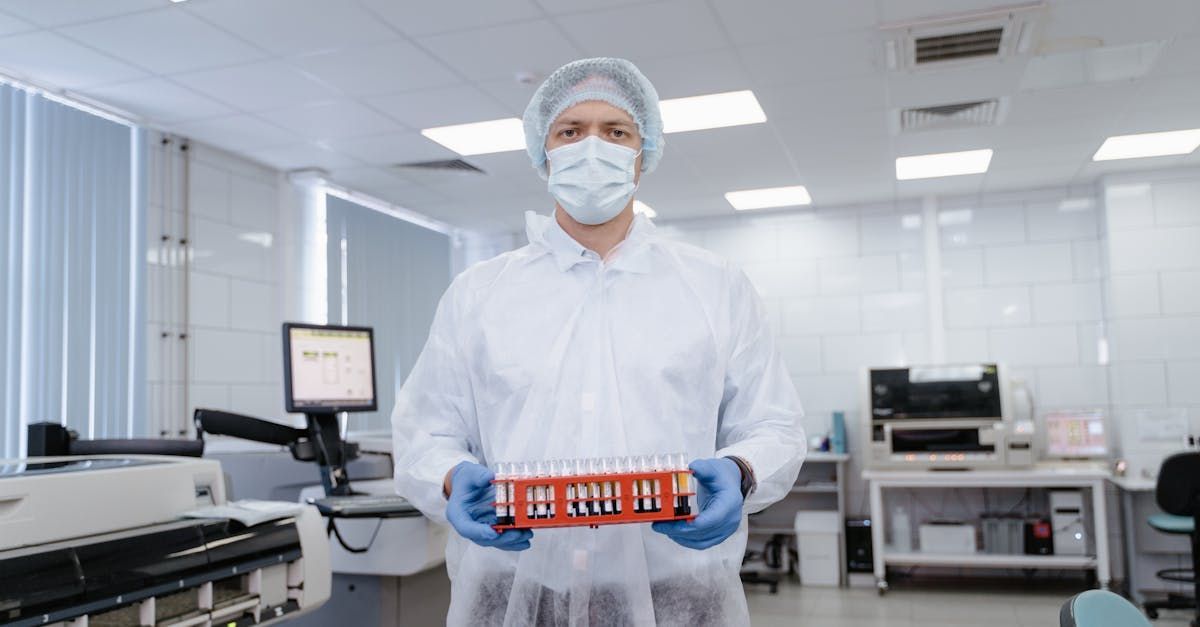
(593,492)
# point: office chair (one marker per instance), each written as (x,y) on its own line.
(1100,608)
(1178,494)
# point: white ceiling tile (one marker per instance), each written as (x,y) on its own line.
(1179,57)
(296,26)
(258,86)
(428,18)
(816,99)
(948,185)
(1041,154)
(945,140)
(1171,117)
(1045,175)
(1068,103)
(1170,90)
(439,107)
(10,25)
(892,11)
(236,132)
(59,12)
(386,68)
(978,81)
(512,94)
(814,57)
(332,120)
(697,73)
(304,155)
(164,41)
(760,22)
(158,100)
(392,148)
(503,51)
(653,30)
(1114,23)
(46,57)
(726,159)
(564,7)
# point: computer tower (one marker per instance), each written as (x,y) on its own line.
(1067,518)
(859,558)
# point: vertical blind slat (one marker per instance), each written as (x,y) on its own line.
(69,281)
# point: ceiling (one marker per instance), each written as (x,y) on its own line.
(346,86)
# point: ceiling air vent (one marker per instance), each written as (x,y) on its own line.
(441,165)
(945,40)
(977,43)
(956,115)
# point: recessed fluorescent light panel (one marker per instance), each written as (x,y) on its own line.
(733,108)
(768,198)
(644,209)
(1148,145)
(943,164)
(480,138)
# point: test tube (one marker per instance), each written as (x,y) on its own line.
(593,489)
(512,492)
(680,475)
(619,469)
(501,495)
(631,467)
(647,487)
(607,490)
(539,490)
(568,472)
(657,464)
(529,511)
(554,472)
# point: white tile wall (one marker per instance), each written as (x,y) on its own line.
(1181,291)
(1152,302)
(234,289)
(1030,263)
(988,306)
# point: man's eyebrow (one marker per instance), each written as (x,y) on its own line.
(567,122)
(617,122)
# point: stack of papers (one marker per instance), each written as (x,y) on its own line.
(249,512)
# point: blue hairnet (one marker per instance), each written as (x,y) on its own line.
(615,81)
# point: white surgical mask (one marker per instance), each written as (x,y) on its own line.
(592,179)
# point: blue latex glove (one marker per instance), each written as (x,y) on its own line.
(472,514)
(721,509)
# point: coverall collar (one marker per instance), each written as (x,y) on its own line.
(628,255)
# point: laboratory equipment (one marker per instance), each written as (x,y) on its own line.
(593,492)
(1075,434)
(1067,521)
(99,552)
(947,537)
(818,541)
(943,417)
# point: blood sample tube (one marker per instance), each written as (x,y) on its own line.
(539,490)
(647,486)
(501,495)
(618,469)
(657,464)
(529,507)
(607,488)
(569,472)
(512,493)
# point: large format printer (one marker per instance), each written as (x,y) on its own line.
(99,541)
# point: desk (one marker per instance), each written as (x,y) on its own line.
(1129,486)
(1054,476)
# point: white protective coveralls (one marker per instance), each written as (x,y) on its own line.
(546,352)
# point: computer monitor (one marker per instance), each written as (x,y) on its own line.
(1076,434)
(328,369)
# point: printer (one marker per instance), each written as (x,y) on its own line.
(942,417)
(102,540)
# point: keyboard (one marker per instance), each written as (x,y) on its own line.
(365,506)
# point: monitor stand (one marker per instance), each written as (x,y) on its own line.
(325,434)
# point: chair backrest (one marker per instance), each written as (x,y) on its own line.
(1178,487)
(1100,608)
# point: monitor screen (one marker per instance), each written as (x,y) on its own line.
(328,369)
(1075,434)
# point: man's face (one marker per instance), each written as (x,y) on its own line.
(595,117)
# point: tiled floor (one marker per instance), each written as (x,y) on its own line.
(915,606)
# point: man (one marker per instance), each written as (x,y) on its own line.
(597,339)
